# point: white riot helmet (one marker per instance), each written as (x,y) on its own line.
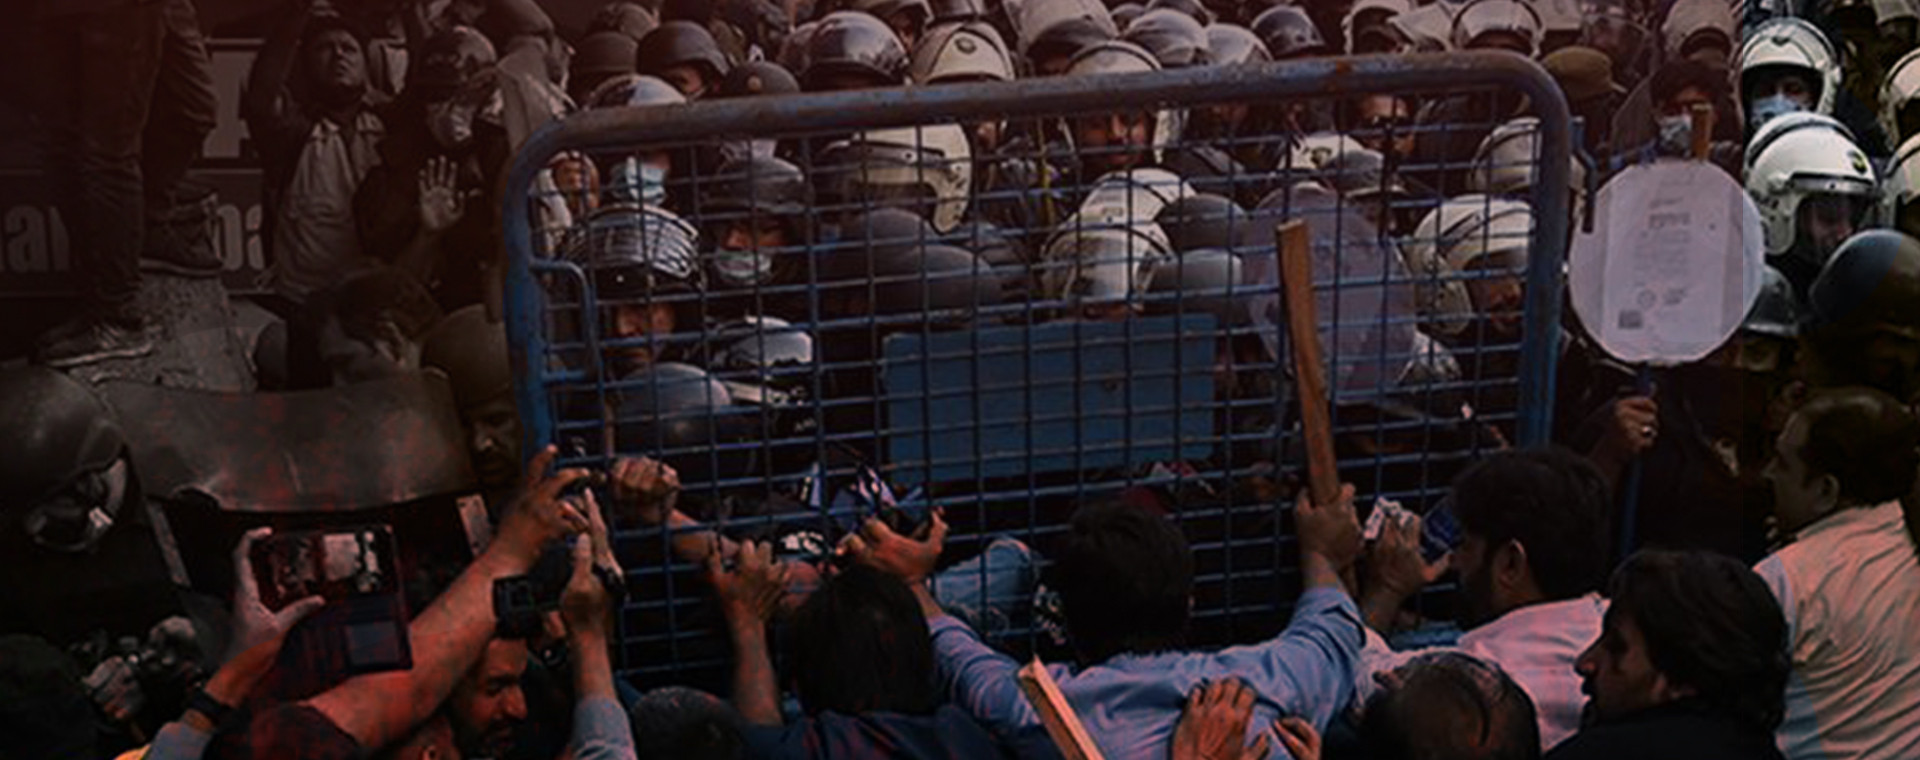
(1690,22)
(1313,152)
(1427,28)
(1100,254)
(1902,183)
(968,51)
(1900,92)
(1134,194)
(1803,158)
(1484,17)
(1452,237)
(1789,44)
(931,164)
(1505,163)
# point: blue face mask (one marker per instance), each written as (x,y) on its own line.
(1676,135)
(1771,106)
(634,181)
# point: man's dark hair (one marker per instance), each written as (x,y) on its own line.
(1683,73)
(860,644)
(362,301)
(1125,578)
(1865,439)
(1451,706)
(1552,501)
(1711,625)
(678,723)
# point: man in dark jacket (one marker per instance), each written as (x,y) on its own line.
(1691,664)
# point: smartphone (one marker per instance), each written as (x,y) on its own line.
(335,564)
(362,628)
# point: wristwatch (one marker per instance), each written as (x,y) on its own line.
(217,713)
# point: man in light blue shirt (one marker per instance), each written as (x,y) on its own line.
(1125,578)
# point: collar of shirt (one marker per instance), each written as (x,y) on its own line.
(1578,616)
(1853,520)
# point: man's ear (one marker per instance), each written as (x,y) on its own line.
(1510,567)
(1828,487)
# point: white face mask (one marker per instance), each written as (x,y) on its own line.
(743,268)
(1771,106)
(1676,135)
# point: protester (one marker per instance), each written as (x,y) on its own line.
(1691,663)
(1534,552)
(1849,580)
(1125,579)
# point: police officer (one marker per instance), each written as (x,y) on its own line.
(850,50)
(756,210)
(685,55)
(1814,187)
(643,262)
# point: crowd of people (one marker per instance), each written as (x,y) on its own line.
(1761,605)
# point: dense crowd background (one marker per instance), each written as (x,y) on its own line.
(1762,606)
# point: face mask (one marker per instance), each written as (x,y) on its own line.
(1765,109)
(450,123)
(635,181)
(1676,135)
(743,268)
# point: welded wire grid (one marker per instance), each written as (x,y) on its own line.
(1008,334)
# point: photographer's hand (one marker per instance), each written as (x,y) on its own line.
(253,623)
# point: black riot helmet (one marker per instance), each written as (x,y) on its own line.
(1289,33)
(1865,323)
(1201,220)
(1204,280)
(633,251)
(598,57)
(629,18)
(766,185)
(748,193)
(1174,38)
(678,414)
(759,78)
(762,349)
(682,43)
(61,467)
(853,45)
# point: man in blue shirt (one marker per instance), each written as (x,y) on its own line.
(1125,578)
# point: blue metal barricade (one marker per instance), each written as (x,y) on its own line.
(1087,309)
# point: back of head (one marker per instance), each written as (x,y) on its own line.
(1553,502)
(1451,706)
(1866,439)
(860,644)
(363,301)
(1125,577)
(678,723)
(472,351)
(1711,626)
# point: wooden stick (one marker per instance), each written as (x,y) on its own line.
(1702,130)
(1310,381)
(1058,716)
